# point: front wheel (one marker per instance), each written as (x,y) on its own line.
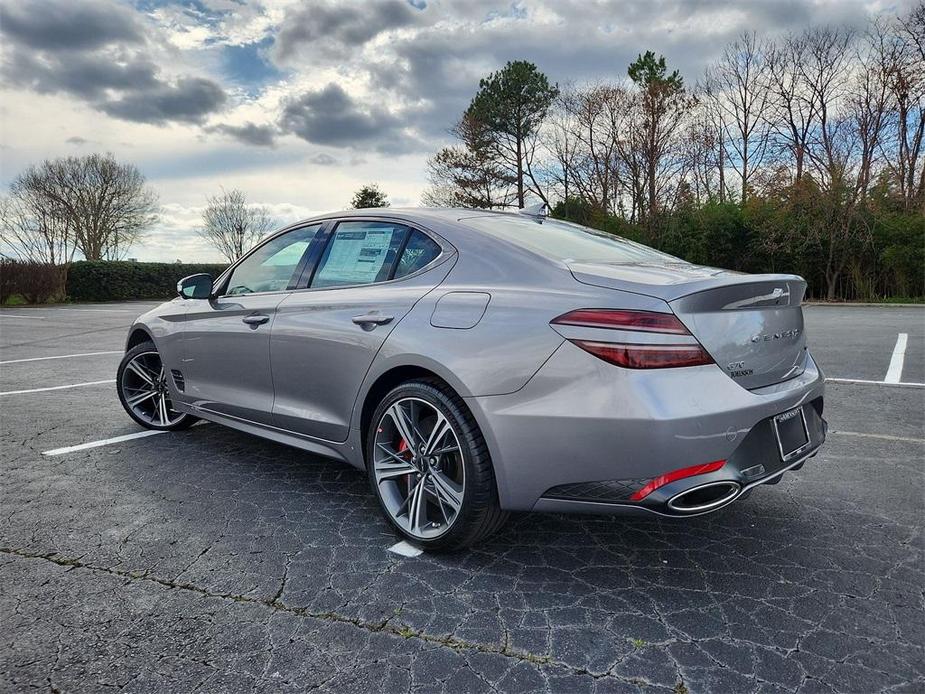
(141,382)
(430,469)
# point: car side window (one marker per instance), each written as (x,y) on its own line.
(419,252)
(360,253)
(271,267)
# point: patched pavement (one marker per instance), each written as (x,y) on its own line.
(210,560)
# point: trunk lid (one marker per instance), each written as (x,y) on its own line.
(752,325)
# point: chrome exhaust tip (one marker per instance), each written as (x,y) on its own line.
(704,497)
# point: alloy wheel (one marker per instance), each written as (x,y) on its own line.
(144,390)
(419,468)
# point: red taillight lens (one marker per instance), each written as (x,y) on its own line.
(647,356)
(674,476)
(643,321)
(640,353)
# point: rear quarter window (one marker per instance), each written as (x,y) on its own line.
(419,252)
(567,242)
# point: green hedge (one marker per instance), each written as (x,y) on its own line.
(122,280)
(32,283)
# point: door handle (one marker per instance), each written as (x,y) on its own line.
(255,319)
(372,319)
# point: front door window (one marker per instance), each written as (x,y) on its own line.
(271,268)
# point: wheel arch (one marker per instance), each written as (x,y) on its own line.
(137,335)
(397,369)
(385,382)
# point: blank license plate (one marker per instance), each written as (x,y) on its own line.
(792,434)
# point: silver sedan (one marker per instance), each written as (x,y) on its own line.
(475,363)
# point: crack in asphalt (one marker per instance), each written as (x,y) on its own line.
(275,604)
(388,626)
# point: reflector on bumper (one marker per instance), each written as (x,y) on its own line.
(674,476)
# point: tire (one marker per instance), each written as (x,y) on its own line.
(141,383)
(479,514)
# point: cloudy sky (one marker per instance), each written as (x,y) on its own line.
(298,103)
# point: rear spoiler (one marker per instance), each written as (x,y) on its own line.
(671,282)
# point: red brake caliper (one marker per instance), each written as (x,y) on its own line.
(402,448)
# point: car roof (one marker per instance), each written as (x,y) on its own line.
(411,214)
(450,223)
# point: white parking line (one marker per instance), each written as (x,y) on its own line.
(5,314)
(885,437)
(907,384)
(93,310)
(59,356)
(104,442)
(405,549)
(895,372)
(115,439)
(72,385)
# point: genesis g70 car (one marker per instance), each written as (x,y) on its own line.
(475,363)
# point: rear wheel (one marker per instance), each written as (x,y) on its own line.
(142,385)
(430,469)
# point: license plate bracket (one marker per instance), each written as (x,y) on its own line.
(792,433)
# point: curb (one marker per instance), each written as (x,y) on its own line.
(861,304)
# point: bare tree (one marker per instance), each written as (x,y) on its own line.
(105,205)
(791,113)
(826,70)
(906,128)
(233,226)
(706,154)
(30,232)
(562,143)
(735,85)
(868,103)
(585,128)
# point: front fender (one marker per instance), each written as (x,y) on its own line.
(164,327)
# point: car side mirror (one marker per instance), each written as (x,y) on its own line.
(195,287)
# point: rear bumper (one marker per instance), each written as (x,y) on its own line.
(755,462)
(583,436)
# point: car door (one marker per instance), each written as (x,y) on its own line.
(226,343)
(325,337)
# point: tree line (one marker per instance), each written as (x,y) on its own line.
(802,154)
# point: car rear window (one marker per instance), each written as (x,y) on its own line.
(419,251)
(567,242)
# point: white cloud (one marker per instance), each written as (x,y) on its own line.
(400,69)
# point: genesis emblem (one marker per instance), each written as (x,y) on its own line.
(782,335)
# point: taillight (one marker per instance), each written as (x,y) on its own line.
(644,321)
(674,476)
(632,355)
(647,356)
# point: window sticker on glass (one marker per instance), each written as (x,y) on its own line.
(359,256)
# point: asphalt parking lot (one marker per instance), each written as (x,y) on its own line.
(210,560)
